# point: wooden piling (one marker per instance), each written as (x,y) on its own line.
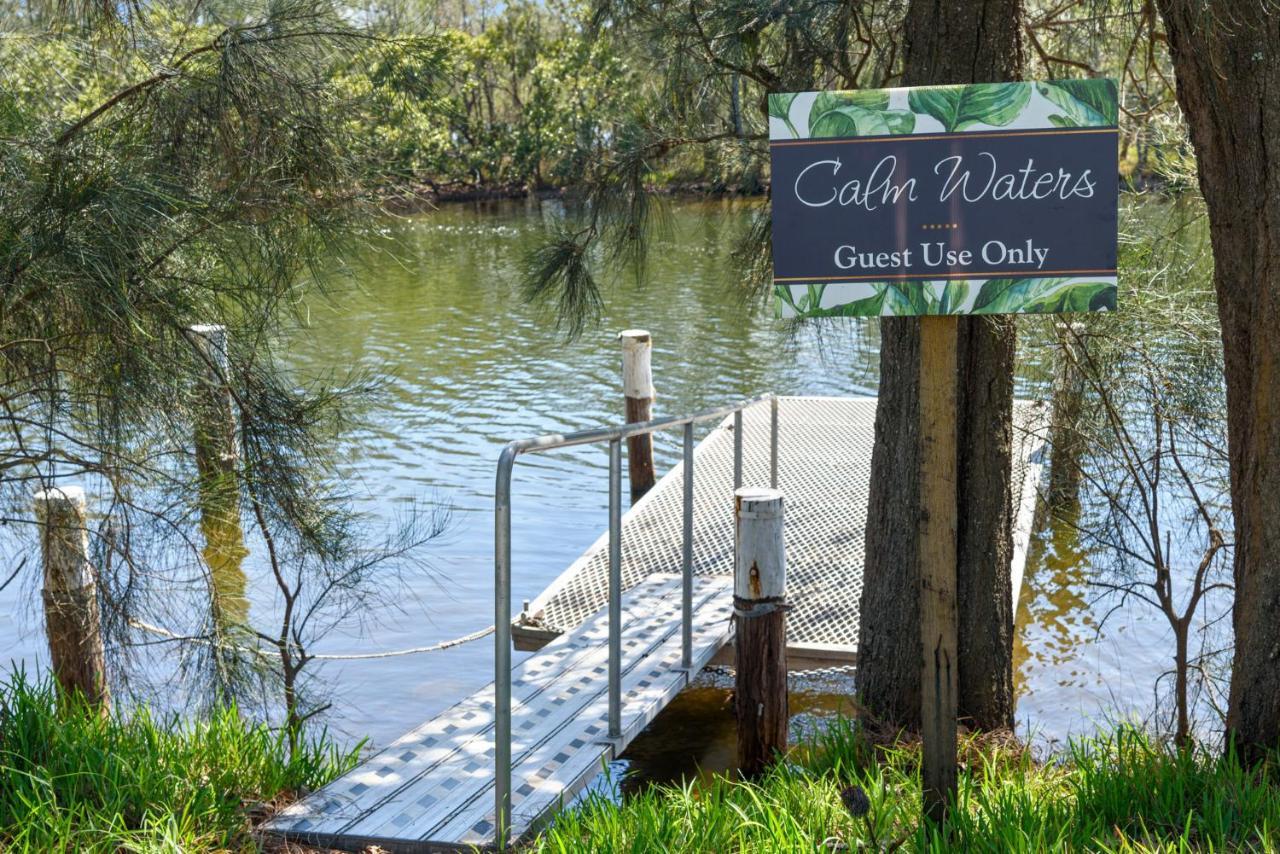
(637,388)
(217,462)
(760,644)
(1066,444)
(217,451)
(73,623)
(938,632)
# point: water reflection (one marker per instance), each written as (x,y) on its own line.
(694,737)
(1053,597)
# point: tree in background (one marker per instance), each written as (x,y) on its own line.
(1227,59)
(509,98)
(163,167)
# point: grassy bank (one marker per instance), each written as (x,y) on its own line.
(1120,794)
(80,782)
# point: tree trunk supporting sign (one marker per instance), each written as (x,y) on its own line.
(760,656)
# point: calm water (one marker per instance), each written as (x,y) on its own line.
(437,312)
(471,368)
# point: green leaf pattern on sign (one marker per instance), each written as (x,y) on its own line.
(959,107)
(780,104)
(865,113)
(865,99)
(780,108)
(1083,103)
(995,296)
(1076,103)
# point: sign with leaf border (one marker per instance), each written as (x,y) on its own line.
(987,198)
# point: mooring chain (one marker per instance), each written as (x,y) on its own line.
(320,656)
(751,608)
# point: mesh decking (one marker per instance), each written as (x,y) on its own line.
(824,470)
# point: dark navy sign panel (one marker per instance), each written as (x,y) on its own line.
(946,206)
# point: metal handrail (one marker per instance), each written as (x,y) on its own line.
(502,563)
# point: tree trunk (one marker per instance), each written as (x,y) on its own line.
(953,42)
(1182,727)
(1227,63)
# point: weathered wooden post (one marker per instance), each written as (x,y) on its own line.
(760,645)
(637,387)
(217,451)
(1065,442)
(939,642)
(217,462)
(72,620)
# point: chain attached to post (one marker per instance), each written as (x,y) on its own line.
(750,609)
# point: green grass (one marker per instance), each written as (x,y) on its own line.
(77,781)
(1122,793)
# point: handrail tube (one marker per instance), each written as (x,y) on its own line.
(615,588)
(737,449)
(686,555)
(554,441)
(502,645)
(773,443)
(502,565)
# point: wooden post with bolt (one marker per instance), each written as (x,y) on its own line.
(938,632)
(760,642)
(72,620)
(637,387)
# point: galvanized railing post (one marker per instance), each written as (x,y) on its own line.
(737,448)
(502,647)
(773,443)
(686,562)
(615,588)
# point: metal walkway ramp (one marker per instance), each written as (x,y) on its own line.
(432,789)
(824,470)
(533,738)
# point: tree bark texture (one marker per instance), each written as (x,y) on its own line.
(1227,59)
(945,42)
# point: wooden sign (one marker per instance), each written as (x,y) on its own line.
(990,198)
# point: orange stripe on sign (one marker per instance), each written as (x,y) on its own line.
(1022,274)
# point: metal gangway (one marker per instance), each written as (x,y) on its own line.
(628,624)
(425,791)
